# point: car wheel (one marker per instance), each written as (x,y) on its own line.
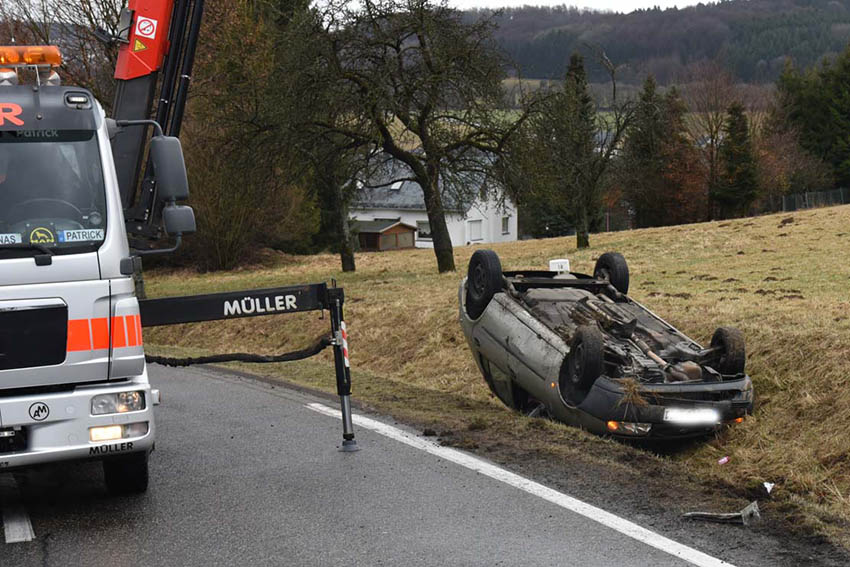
(733,353)
(613,268)
(127,474)
(584,363)
(484,280)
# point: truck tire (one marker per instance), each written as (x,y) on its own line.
(484,280)
(613,268)
(584,363)
(733,352)
(127,474)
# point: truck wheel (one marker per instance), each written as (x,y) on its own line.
(127,474)
(584,363)
(484,280)
(733,353)
(613,268)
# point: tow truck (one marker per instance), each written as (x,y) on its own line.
(82,198)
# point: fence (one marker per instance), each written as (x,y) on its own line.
(813,199)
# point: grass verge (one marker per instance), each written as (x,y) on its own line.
(783,279)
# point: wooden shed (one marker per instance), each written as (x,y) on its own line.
(380,235)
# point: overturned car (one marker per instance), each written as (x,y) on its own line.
(578,348)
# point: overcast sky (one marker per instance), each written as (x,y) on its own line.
(616,5)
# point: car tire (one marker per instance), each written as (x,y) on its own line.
(484,280)
(585,360)
(127,474)
(733,353)
(613,268)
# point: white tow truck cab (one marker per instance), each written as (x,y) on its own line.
(73,381)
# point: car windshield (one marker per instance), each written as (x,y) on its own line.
(51,191)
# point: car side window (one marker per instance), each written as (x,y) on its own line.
(494,373)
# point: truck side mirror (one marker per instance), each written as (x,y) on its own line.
(169,169)
(178,220)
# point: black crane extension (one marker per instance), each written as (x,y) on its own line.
(262,302)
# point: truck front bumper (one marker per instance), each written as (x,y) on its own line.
(44,428)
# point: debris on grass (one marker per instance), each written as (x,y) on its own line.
(723,461)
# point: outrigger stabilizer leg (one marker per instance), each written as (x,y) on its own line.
(343,368)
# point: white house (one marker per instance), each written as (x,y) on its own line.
(481,222)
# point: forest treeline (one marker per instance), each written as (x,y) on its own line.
(752,39)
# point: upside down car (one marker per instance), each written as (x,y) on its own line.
(578,348)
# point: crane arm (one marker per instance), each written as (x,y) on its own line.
(157,51)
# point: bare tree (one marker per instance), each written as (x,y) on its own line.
(412,80)
(88,57)
(708,91)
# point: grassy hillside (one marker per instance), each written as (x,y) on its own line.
(783,279)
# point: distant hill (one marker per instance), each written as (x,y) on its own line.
(752,37)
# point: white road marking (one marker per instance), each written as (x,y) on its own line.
(589,511)
(16,521)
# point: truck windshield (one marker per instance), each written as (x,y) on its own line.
(51,192)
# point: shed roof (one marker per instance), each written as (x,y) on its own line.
(378,226)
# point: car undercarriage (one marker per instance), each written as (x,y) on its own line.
(581,348)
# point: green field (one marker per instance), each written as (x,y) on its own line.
(783,279)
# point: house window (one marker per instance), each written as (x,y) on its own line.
(475,230)
(423,230)
(506,225)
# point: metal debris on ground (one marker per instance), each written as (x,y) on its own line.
(747,516)
(768,486)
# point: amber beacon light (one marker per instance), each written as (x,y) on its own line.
(25,55)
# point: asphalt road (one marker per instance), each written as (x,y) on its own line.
(246,474)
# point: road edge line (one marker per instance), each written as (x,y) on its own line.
(625,527)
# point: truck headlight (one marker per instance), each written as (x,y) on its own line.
(121,402)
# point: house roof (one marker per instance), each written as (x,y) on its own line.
(378,226)
(384,192)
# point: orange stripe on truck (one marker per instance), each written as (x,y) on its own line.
(131,331)
(94,334)
(119,333)
(78,335)
(100,333)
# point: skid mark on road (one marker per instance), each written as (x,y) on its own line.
(16,520)
(485,468)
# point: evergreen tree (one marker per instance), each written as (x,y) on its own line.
(578,128)
(562,155)
(642,157)
(661,174)
(738,184)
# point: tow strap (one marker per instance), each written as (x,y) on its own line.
(318,346)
